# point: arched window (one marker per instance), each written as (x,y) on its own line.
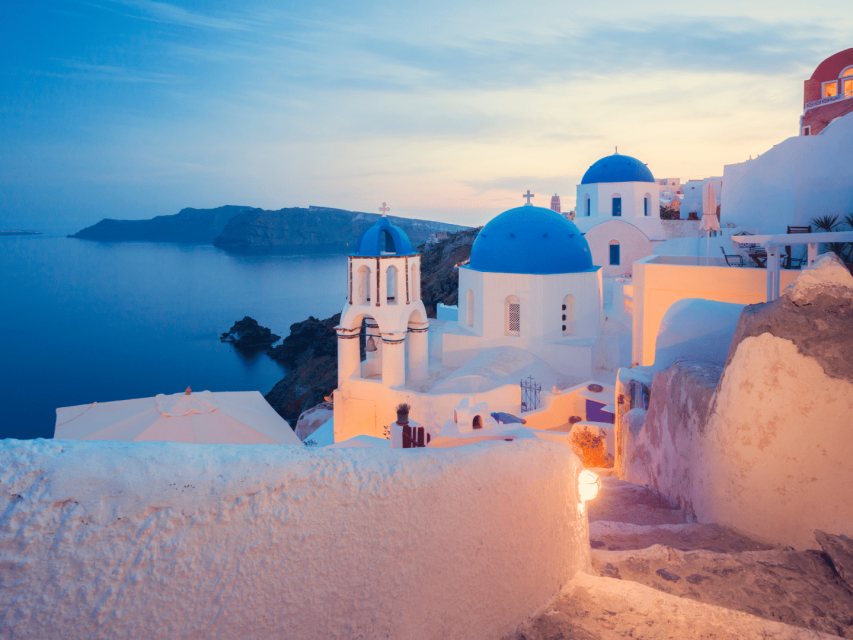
(477,423)
(363,284)
(587,204)
(647,202)
(388,242)
(391,285)
(416,284)
(469,308)
(617,205)
(847,82)
(513,316)
(614,252)
(568,315)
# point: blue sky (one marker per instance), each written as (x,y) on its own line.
(446,110)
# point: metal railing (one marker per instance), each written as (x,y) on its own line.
(822,101)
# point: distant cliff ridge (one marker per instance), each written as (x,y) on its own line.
(252,230)
(198,226)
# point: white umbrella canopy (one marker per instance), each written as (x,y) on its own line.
(226,417)
(709,214)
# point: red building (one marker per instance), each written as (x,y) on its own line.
(555,203)
(828,94)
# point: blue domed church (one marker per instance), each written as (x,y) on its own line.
(618,210)
(531,283)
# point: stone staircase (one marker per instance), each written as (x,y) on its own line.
(656,576)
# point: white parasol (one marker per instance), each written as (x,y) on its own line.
(237,417)
(709,215)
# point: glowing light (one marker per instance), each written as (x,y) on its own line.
(589,485)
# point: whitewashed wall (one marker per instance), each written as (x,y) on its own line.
(166,540)
(800,178)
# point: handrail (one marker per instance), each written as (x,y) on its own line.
(817,103)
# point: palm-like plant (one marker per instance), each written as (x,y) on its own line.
(828,224)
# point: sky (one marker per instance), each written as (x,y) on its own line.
(445,110)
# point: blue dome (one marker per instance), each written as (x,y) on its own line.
(383,239)
(617,168)
(530,240)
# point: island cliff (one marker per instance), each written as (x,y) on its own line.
(258,231)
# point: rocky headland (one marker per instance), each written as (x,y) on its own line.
(241,229)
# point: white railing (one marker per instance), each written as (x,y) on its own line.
(822,101)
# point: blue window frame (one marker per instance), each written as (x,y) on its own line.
(645,206)
(614,254)
(617,206)
(588,201)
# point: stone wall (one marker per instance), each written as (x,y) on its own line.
(168,540)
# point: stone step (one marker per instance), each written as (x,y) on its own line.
(799,588)
(622,536)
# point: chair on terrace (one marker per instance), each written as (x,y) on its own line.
(733,260)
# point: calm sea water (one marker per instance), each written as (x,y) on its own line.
(86,321)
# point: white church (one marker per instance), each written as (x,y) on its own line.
(618,210)
(530,308)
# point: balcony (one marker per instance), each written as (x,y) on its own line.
(823,101)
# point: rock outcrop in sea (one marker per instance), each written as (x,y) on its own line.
(248,335)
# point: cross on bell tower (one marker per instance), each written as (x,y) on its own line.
(384,208)
(528,195)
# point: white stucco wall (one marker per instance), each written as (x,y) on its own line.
(165,540)
(541,298)
(658,286)
(633,245)
(800,178)
(767,452)
(601,196)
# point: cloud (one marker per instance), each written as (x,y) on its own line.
(111,72)
(172,14)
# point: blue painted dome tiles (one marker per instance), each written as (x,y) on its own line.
(617,168)
(530,240)
(383,239)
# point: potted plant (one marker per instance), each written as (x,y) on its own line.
(403,414)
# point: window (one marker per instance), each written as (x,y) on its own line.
(391,285)
(847,82)
(830,89)
(388,241)
(617,206)
(513,316)
(478,423)
(807,131)
(469,308)
(614,252)
(646,205)
(568,315)
(363,284)
(587,205)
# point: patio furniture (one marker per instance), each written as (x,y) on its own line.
(802,259)
(759,257)
(732,260)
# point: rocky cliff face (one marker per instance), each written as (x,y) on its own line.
(311,354)
(314,229)
(198,226)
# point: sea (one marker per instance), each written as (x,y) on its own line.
(87,321)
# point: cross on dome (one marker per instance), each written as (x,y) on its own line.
(528,195)
(384,208)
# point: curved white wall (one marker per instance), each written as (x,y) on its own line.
(106,539)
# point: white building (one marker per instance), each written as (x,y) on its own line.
(530,284)
(618,205)
(530,306)
(693,189)
(798,179)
